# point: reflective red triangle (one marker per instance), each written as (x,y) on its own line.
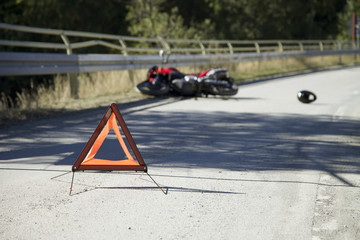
(87,160)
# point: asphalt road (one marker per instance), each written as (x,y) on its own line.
(259,165)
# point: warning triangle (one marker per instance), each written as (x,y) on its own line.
(87,159)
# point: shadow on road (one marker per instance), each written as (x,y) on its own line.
(231,141)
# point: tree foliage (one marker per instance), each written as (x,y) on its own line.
(150,18)
(267,19)
(205,19)
(82,15)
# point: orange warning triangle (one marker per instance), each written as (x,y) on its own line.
(87,160)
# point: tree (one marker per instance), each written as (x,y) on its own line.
(90,15)
(147,19)
(200,19)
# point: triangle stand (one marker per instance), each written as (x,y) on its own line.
(87,160)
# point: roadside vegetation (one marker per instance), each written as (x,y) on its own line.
(200,19)
(249,71)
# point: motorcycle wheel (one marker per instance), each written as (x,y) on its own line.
(155,90)
(222,90)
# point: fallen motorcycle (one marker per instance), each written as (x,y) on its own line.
(162,81)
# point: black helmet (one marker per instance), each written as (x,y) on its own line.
(152,71)
(306,96)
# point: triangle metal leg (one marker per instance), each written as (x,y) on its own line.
(60,175)
(157,184)
(72,181)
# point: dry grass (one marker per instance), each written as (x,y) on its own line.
(248,71)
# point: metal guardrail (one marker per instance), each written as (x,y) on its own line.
(183,52)
(127,45)
(13,64)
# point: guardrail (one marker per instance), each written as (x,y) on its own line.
(183,52)
(14,64)
(127,45)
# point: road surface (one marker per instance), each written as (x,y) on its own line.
(259,165)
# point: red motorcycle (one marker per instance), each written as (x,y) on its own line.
(163,81)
